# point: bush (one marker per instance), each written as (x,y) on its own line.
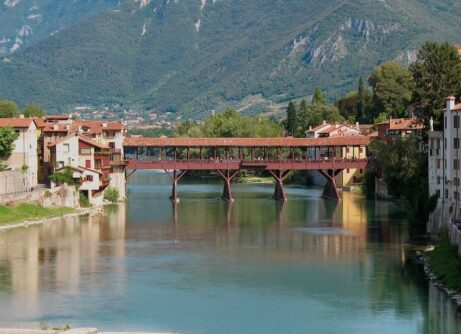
(65,176)
(111,194)
(83,200)
(47,194)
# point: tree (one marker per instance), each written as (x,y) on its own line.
(403,166)
(32,110)
(7,138)
(363,115)
(436,74)
(392,89)
(319,97)
(292,120)
(8,109)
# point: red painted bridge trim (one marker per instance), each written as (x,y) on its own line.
(234,164)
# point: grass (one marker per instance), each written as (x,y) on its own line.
(24,212)
(446,264)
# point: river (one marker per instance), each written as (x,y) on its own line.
(206,266)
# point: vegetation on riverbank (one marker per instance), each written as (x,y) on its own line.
(445,263)
(24,212)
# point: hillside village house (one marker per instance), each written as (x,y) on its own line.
(24,155)
(444,167)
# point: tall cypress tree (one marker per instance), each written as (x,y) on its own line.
(292,119)
(361,101)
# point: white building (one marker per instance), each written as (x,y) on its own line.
(444,167)
(24,156)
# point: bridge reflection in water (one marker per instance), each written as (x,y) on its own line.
(228,156)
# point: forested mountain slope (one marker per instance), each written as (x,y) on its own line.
(195,55)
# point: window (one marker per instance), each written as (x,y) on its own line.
(456,195)
(456,142)
(446,193)
(438,179)
(445,143)
(455,164)
(445,121)
(89,178)
(456,121)
(66,148)
(85,151)
(438,163)
(456,181)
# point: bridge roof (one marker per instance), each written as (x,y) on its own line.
(246,142)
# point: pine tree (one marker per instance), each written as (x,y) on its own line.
(360,101)
(319,97)
(292,119)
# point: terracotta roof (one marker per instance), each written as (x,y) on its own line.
(247,142)
(80,169)
(80,137)
(318,127)
(403,124)
(16,122)
(374,134)
(56,128)
(40,122)
(97,127)
(58,117)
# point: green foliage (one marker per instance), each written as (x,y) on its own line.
(436,75)
(30,212)
(314,114)
(291,123)
(111,194)
(83,200)
(403,166)
(319,97)
(392,89)
(47,194)
(66,176)
(230,124)
(7,138)
(33,111)
(446,264)
(8,109)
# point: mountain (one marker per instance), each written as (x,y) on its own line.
(190,56)
(23,22)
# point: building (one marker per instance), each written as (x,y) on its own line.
(24,156)
(444,167)
(89,160)
(337,130)
(399,128)
(326,130)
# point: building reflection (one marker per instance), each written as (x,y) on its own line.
(57,255)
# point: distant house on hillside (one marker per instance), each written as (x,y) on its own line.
(24,156)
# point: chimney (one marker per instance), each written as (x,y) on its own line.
(310,127)
(324,122)
(21,116)
(104,125)
(357,125)
(55,126)
(450,103)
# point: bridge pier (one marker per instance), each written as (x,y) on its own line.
(279,176)
(228,176)
(175,177)
(330,191)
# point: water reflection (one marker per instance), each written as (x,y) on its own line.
(251,266)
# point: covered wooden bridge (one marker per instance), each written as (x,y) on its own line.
(227,156)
